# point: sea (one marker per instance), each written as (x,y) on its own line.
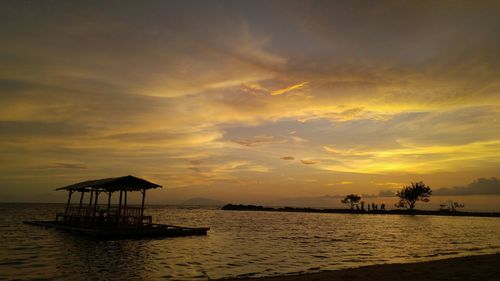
(239,244)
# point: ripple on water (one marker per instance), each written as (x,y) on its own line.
(245,244)
(12,262)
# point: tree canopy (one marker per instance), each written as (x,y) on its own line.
(409,195)
(351,199)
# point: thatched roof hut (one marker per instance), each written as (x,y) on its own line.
(123,214)
(126,183)
(118,221)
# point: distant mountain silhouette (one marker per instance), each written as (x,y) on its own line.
(200,201)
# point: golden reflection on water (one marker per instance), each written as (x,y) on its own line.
(238,244)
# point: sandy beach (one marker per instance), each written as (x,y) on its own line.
(484,267)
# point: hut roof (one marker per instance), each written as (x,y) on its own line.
(128,183)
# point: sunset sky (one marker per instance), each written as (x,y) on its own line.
(249,101)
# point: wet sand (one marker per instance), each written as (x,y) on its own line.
(484,267)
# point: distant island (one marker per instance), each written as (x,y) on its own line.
(234,207)
(408,197)
(201,201)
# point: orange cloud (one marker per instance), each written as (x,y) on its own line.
(309,162)
(289,89)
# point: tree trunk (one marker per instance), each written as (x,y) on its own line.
(412,205)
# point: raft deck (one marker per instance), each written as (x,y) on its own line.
(110,232)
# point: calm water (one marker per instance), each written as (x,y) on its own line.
(238,244)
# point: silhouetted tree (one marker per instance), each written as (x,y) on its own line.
(351,199)
(409,195)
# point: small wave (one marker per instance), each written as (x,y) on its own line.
(448,253)
(16,262)
(248,274)
(353,260)
(37,265)
(427,256)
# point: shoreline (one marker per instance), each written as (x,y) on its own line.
(477,267)
(234,207)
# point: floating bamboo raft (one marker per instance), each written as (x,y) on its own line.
(109,232)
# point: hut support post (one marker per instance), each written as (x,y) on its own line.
(142,205)
(125,208)
(95,203)
(69,201)
(81,198)
(69,198)
(91,197)
(81,201)
(125,203)
(109,201)
(120,205)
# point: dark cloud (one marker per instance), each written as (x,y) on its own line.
(386,193)
(34,129)
(195,169)
(327,196)
(309,162)
(9,86)
(259,140)
(195,162)
(287,158)
(63,166)
(310,200)
(481,186)
(388,32)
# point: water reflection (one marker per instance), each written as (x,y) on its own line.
(238,244)
(91,259)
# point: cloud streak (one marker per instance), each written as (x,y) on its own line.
(63,166)
(288,89)
(309,162)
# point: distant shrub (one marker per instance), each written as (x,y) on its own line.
(451,206)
